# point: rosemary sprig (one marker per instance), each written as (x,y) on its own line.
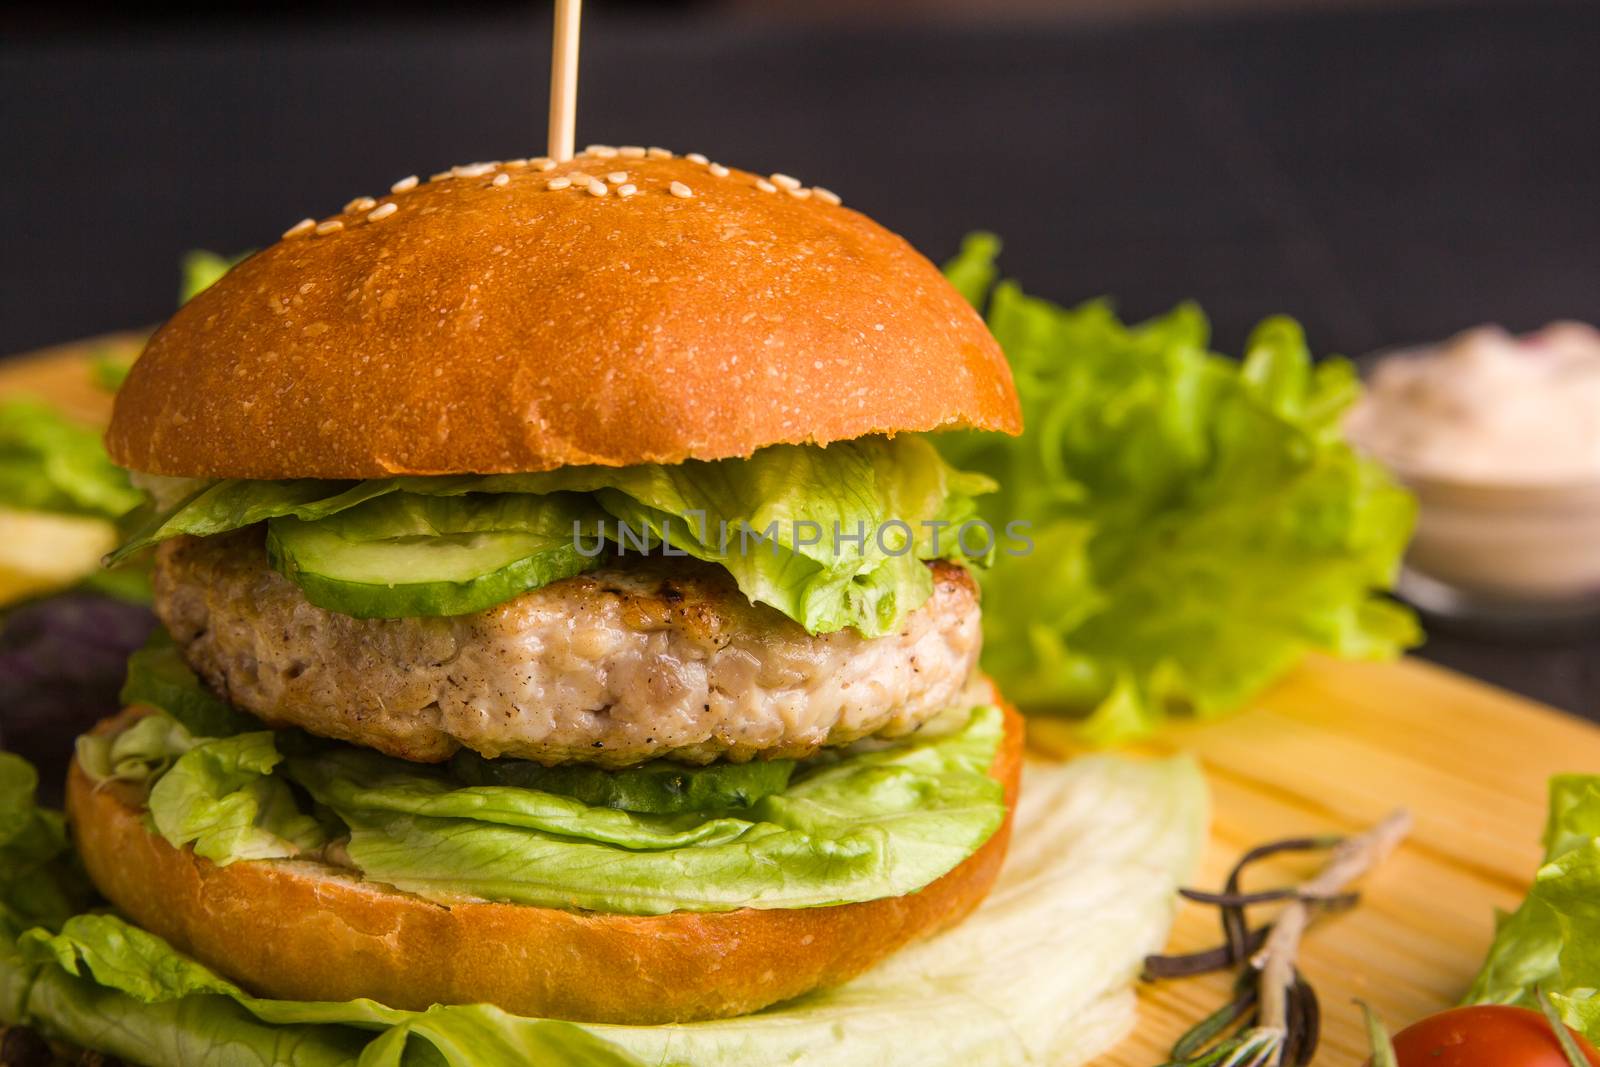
(1274,1018)
(1233,921)
(1192,963)
(1378,1038)
(1219,1022)
(1185,965)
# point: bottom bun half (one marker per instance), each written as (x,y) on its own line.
(297,930)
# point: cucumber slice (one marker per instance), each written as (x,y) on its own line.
(660,787)
(410,556)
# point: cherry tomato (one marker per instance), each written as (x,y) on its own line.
(1485,1035)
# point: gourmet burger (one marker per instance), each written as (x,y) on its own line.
(563,608)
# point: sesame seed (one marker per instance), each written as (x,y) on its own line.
(718,169)
(556,184)
(657,153)
(473,170)
(441,176)
(330,226)
(631,151)
(361,203)
(597,187)
(304,226)
(800,194)
(617,177)
(626,191)
(680,190)
(765,186)
(827,196)
(696,157)
(405,184)
(382,211)
(785,181)
(515,163)
(543,163)
(501,180)
(604,151)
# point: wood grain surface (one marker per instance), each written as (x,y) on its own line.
(1333,747)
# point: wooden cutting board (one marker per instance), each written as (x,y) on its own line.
(1333,747)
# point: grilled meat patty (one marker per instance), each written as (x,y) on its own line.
(642,659)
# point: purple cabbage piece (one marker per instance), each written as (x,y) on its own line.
(62,661)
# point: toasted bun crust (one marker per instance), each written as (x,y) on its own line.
(303,931)
(484,329)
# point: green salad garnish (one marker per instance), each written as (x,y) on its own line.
(1198,522)
(808,530)
(1553,940)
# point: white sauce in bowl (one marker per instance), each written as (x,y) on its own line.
(1489,408)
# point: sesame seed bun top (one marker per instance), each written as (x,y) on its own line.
(621,308)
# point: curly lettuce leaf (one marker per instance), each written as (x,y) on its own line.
(158,677)
(137,755)
(107,985)
(41,883)
(201,270)
(221,797)
(873,825)
(52,464)
(1198,522)
(109,370)
(1088,890)
(1553,939)
(866,826)
(784,522)
(59,498)
(659,787)
(853,826)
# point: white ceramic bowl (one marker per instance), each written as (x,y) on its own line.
(1527,553)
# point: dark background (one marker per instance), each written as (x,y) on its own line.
(1386,173)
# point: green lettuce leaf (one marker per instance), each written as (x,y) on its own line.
(50,463)
(109,370)
(873,825)
(783,522)
(1088,891)
(221,797)
(159,678)
(660,787)
(1553,939)
(201,270)
(846,827)
(107,985)
(1197,523)
(41,883)
(869,825)
(974,271)
(217,507)
(139,754)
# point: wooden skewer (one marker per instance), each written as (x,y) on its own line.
(564,80)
